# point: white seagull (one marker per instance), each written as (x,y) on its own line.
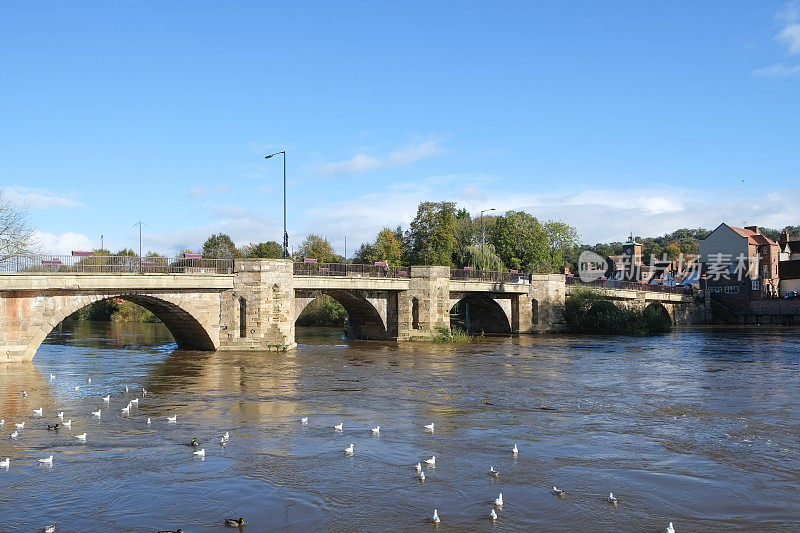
(5,464)
(2,422)
(515,450)
(304,420)
(556,491)
(226,436)
(376,430)
(47,461)
(418,468)
(67,424)
(89,381)
(126,410)
(61,415)
(670,529)
(77,387)
(431,461)
(52,377)
(97,413)
(499,500)
(20,425)
(435,518)
(15,435)
(24,394)
(492,515)
(429,427)
(144,392)
(126,388)
(339,426)
(107,398)
(200,453)
(148,420)
(173,419)
(611,498)
(421,476)
(492,472)
(81,437)
(38,412)
(349,450)
(135,402)
(50,529)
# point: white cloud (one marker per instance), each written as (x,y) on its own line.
(790,36)
(777,71)
(365,162)
(204,190)
(38,198)
(62,244)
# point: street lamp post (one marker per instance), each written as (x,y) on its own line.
(285,235)
(483,256)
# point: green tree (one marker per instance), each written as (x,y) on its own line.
(264,250)
(561,238)
(220,246)
(127,252)
(319,248)
(521,242)
(432,237)
(483,260)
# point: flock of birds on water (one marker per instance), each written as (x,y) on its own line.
(225,438)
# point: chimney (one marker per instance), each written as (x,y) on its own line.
(754,229)
(784,238)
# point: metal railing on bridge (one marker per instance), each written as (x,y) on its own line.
(629,285)
(112,264)
(350,270)
(492,276)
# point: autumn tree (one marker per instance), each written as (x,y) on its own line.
(319,248)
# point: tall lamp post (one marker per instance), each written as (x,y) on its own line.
(285,235)
(483,256)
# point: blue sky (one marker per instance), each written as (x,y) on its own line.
(612,117)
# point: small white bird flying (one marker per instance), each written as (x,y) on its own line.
(431,461)
(515,450)
(492,472)
(376,430)
(429,427)
(611,498)
(556,491)
(21,425)
(339,426)
(200,453)
(107,398)
(15,435)
(499,500)
(435,517)
(38,412)
(47,461)
(61,415)
(349,450)
(492,515)
(5,464)
(81,437)
(669,529)
(97,413)
(172,419)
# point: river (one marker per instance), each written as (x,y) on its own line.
(700,427)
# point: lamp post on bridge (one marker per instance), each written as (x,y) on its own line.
(483,256)
(285,235)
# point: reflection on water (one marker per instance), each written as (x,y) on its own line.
(698,427)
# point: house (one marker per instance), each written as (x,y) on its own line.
(740,264)
(789,265)
(789,249)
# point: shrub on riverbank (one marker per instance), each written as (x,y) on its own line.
(587,311)
(112,310)
(323,312)
(446,335)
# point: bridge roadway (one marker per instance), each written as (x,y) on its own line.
(255,307)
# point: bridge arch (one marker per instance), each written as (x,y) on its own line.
(480,313)
(365,317)
(660,309)
(191,328)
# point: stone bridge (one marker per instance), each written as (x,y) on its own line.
(256,305)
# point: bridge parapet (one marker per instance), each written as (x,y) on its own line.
(112,264)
